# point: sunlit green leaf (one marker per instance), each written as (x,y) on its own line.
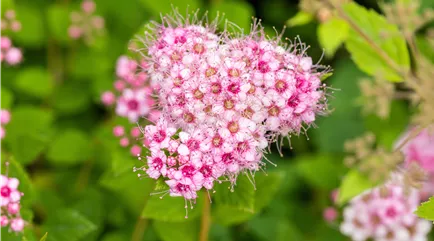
(332,34)
(301,18)
(352,185)
(426,210)
(7,5)
(381,34)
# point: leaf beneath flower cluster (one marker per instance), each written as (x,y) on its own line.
(238,206)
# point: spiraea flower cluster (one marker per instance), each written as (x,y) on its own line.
(10,204)
(5,117)
(85,24)
(385,214)
(8,52)
(223,99)
(129,139)
(420,150)
(132,99)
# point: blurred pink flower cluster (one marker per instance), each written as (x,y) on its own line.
(85,24)
(10,204)
(5,117)
(129,139)
(9,53)
(223,100)
(132,99)
(421,150)
(385,214)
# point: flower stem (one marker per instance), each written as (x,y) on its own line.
(412,135)
(139,229)
(206,220)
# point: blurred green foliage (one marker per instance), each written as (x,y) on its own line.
(78,182)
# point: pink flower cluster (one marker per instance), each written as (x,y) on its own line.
(421,150)
(385,214)
(10,204)
(8,53)
(132,100)
(132,91)
(129,139)
(86,24)
(5,117)
(223,99)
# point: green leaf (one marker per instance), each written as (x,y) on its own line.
(71,98)
(67,225)
(116,236)
(44,238)
(382,34)
(177,231)
(353,184)
(27,235)
(425,47)
(6,5)
(91,204)
(69,147)
(239,13)
(236,207)
(58,19)
(387,131)
(28,147)
(89,64)
(332,34)
(29,119)
(7,98)
(266,188)
(269,227)
(32,33)
(35,82)
(242,197)
(165,6)
(345,121)
(133,191)
(426,210)
(301,18)
(321,171)
(171,209)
